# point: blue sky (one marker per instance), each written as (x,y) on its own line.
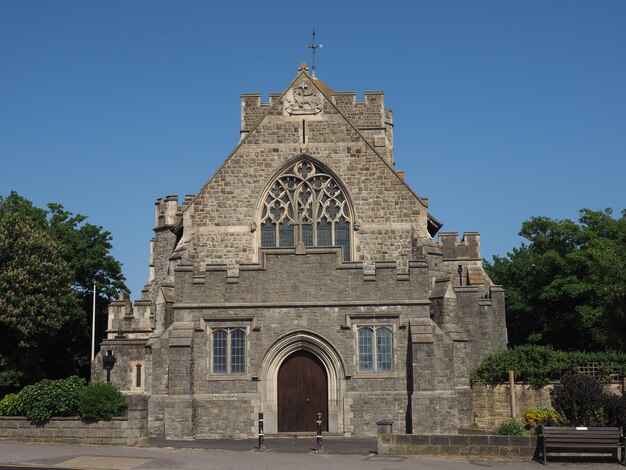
(503,109)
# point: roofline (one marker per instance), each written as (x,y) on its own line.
(270,108)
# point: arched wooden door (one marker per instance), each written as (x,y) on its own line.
(302,392)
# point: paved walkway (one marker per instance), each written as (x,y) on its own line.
(59,456)
(301,445)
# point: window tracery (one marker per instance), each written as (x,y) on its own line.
(305,204)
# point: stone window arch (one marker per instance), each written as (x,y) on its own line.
(306,204)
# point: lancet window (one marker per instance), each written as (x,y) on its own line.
(229,351)
(375,348)
(305,204)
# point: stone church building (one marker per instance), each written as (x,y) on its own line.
(305,277)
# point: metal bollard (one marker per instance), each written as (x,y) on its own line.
(318,445)
(261,434)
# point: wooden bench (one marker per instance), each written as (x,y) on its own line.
(583,438)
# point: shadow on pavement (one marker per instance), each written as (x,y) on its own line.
(332,445)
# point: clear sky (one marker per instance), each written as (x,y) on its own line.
(503,109)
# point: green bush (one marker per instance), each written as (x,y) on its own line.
(101,400)
(10,405)
(539,365)
(510,427)
(41,401)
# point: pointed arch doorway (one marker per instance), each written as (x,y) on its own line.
(302,392)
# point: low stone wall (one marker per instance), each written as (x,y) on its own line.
(459,445)
(491,402)
(129,430)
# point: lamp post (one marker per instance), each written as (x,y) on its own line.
(108,361)
(93,324)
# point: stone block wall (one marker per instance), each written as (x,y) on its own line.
(284,276)
(459,445)
(482,316)
(368,113)
(387,211)
(128,353)
(367,408)
(128,431)
(276,300)
(468,248)
(210,411)
(492,401)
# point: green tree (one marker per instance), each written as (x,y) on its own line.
(566,287)
(49,260)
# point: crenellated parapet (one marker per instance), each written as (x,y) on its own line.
(370,113)
(453,249)
(272,281)
(252,110)
(128,321)
(370,117)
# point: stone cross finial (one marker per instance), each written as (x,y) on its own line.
(303,68)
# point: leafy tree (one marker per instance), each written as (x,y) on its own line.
(567,286)
(49,260)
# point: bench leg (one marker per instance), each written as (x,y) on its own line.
(545,461)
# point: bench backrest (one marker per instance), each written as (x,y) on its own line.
(591,436)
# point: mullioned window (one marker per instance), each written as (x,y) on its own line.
(305,204)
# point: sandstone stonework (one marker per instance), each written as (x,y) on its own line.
(214,279)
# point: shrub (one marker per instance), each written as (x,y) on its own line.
(101,400)
(43,400)
(541,417)
(579,400)
(10,405)
(615,410)
(510,427)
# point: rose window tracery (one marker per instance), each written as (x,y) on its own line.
(306,204)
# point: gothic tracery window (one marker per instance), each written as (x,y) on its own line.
(306,204)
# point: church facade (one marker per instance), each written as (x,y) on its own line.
(305,277)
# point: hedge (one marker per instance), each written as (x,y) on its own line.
(66,397)
(539,365)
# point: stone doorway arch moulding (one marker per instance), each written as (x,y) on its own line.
(333,364)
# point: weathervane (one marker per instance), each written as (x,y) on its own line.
(314,47)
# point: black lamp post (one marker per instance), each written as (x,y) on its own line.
(108,361)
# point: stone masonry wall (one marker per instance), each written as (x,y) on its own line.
(483,319)
(128,431)
(492,402)
(271,301)
(380,199)
(457,446)
(286,277)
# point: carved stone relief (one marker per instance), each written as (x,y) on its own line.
(303,99)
